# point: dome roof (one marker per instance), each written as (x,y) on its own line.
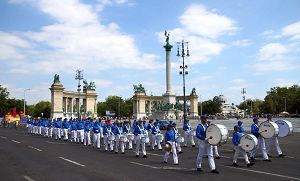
(222,98)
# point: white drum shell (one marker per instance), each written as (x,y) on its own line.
(159,137)
(145,139)
(268,129)
(285,128)
(130,136)
(111,137)
(123,138)
(180,139)
(192,133)
(216,134)
(248,142)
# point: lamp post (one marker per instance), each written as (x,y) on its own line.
(79,77)
(25,101)
(184,53)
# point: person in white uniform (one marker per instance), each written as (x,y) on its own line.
(171,145)
(204,146)
(188,137)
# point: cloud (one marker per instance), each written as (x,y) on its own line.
(274,66)
(77,39)
(237,85)
(241,43)
(292,30)
(200,21)
(285,82)
(273,51)
(201,28)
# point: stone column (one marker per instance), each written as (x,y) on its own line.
(168,48)
(56,99)
(71,107)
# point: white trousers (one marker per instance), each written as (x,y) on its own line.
(120,144)
(215,150)
(46,130)
(138,144)
(273,141)
(57,133)
(237,150)
(50,132)
(175,157)
(262,146)
(73,136)
(188,138)
(204,146)
(107,142)
(155,141)
(96,140)
(87,138)
(80,135)
(65,133)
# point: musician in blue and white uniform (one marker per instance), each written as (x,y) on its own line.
(204,146)
(50,128)
(126,131)
(65,127)
(154,131)
(239,124)
(107,131)
(118,132)
(73,131)
(273,141)
(80,131)
(178,146)
(45,128)
(58,125)
(236,138)
(149,130)
(260,141)
(187,134)
(139,132)
(96,135)
(214,147)
(87,133)
(170,142)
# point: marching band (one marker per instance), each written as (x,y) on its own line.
(123,134)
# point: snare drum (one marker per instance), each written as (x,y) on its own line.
(268,129)
(123,138)
(285,128)
(111,138)
(192,133)
(216,134)
(145,139)
(159,137)
(180,139)
(248,142)
(130,136)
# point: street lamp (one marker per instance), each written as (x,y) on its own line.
(25,101)
(79,77)
(184,53)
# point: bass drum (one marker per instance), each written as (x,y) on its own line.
(248,142)
(285,128)
(268,129)
(160,137)
(123,138)
(180,139)
(192,133)
(217,134)
(111,138)
(145,139)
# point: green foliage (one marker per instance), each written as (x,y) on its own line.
(3,100)
(210,107)
(113,104)
(42,107)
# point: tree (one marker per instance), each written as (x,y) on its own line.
(3,100)
(210,107)
(42,107)
(113,104)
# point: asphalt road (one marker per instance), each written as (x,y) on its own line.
(30,157)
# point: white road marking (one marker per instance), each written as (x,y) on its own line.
(76,163)
(35,148)
(144,165)
(266,173)
(15,141)
(54,143)
(154,154)
(3,137)
(28,178)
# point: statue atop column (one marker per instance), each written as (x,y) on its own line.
(56,78)
(139,88)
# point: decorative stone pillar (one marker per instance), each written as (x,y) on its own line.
(56,99)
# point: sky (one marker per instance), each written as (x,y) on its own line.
(233,44)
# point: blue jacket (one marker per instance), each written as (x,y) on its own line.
(200,131)
(241,129)
(139,130)
(87,127)
(79,125)
(236,137)
(187,127)
(126,129)
(150,126)
(73,126)
(255,130)
(155,130)
(96,129)
(118,131)
(65,125)
(170,136)
(107,131)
